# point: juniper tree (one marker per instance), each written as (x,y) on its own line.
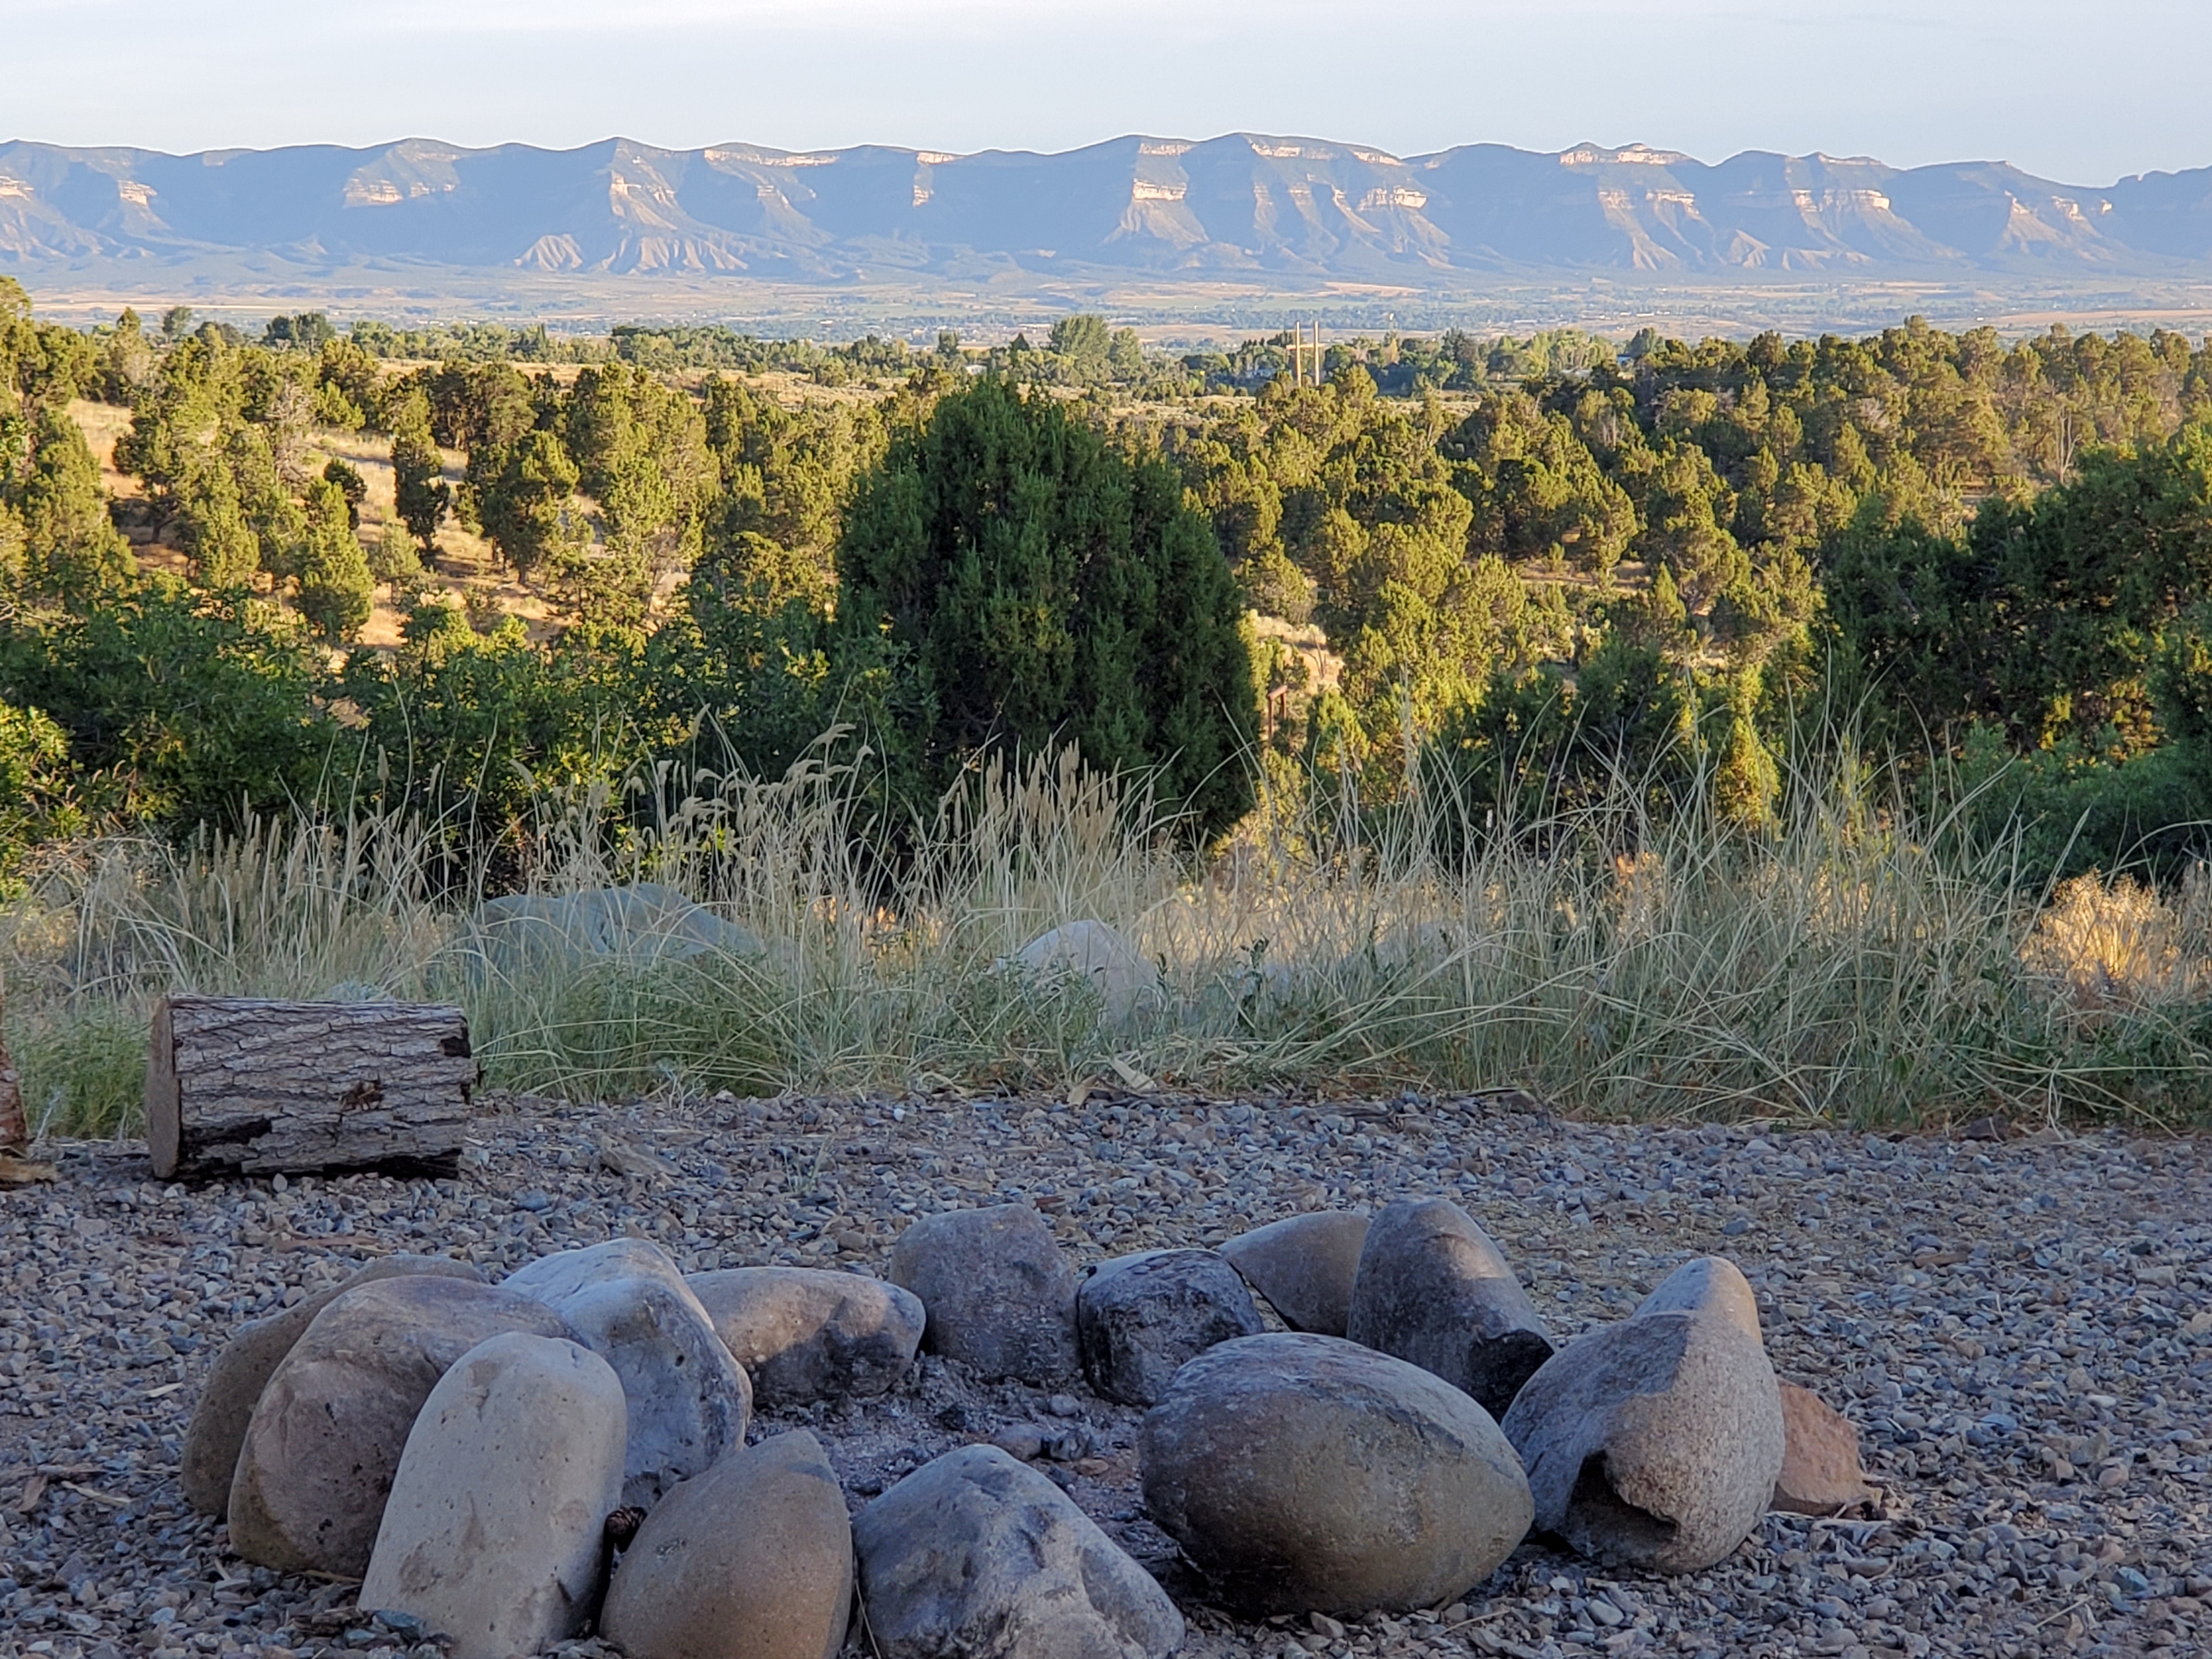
(336,587)
(70,549)
(1035,586)
(418,472)
(523,502)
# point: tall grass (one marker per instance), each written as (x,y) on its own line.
(1847,965)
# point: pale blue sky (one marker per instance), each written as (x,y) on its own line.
(2080,91)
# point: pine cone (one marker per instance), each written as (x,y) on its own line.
(622,1525)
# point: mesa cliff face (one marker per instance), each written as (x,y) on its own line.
(1243,203)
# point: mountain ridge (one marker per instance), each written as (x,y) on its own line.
(1241,203)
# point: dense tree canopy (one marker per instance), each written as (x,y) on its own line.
(1552,564)
(1036,587)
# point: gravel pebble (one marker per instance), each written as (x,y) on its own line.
(2022,1331)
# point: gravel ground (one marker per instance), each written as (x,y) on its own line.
(2021,1329)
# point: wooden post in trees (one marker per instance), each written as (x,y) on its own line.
(237,1085)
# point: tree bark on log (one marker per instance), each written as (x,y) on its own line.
(237,1085)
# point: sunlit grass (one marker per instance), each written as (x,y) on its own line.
(1851,966)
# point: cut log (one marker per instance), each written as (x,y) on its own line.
(236,1085)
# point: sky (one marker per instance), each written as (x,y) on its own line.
(2077,92)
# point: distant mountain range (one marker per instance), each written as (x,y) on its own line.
(1239,205)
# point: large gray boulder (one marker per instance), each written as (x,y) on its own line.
(690,1401)
(326,1438)
(1434,1291)
(1138,1317)
(1000,1297)
(807,1333)
(1308,1474)
(1656,1443)
(244,1367)
(495,1532)
(752,1559)
(1305,1265)
(974,1556)
(639,925)
(1096,955)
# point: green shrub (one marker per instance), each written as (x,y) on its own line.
(1035,587)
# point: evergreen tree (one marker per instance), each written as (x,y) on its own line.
(13,569)
(70,550)
(522,499)
(1085,342)
(336,587)
(309,332)
(225,552)
(418,471)
(266,498)
(642,453)
(786,478)
(394,558)
(126,361)
(1036,587)
(36,802)
(1748,782)
(351,485)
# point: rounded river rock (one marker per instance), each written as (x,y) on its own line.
(752,1559)
(1655,1443)
(690,1401)
(1434,1291)
(1140,1317)
(243,1369)
(1306,1474)
(495,1532)
(326,1438)
(974,1556)
(1304,1265)
(999,1295)
(807,1334)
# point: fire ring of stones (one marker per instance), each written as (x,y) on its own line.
(1344,1417)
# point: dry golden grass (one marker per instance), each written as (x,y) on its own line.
(2116,942)
(1837,971)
